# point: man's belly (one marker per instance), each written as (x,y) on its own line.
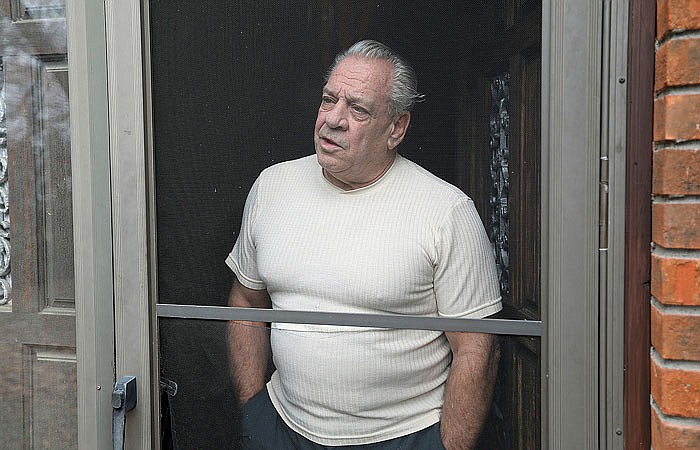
(377,377)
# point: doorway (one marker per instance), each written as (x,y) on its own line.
(235,89)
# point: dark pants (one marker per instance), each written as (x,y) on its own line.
(263,429)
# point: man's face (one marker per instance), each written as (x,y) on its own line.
(355,136)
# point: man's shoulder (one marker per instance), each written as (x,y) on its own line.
(434,188)
(308,162)
(287,171)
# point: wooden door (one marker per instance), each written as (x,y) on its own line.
(38,399)
(507,120)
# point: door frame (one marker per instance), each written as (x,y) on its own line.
(583,138)
(135,327)
(584,141)
(114,314)
(637,326)
(90,169)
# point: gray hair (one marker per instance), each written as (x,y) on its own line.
(403,94)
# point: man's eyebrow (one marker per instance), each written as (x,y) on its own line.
(357,99)
(352,99)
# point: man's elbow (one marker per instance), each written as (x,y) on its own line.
(243,297)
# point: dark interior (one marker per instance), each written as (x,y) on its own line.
(236,86)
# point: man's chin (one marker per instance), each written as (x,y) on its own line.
(326,160)
(331,167)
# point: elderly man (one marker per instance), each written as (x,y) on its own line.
(358,228)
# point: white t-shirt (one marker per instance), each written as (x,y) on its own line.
(410,243)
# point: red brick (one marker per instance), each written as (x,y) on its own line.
(676,172)
(678,63)
(677,117)
(675,335)
(676,225)
(676,15)
(675,281)
(675,390)
(670,434)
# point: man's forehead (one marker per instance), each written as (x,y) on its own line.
(360,77)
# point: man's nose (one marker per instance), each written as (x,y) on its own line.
(337,118)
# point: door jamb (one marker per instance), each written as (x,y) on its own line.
(637,339)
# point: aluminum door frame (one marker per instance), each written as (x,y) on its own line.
(583,113)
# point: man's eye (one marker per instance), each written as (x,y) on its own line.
(326,100)
(360,110)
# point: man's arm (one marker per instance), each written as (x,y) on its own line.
(469,389)
(248,342)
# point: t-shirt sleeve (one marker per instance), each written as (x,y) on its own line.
(242,260)
(465,280)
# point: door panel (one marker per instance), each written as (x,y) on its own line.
(525,185)
(38,400)
(40,183)
(524,354)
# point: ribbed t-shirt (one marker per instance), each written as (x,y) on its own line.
(410,243)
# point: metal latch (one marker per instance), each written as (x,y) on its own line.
(123,400)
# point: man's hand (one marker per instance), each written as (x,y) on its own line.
(249,343)
(469,389)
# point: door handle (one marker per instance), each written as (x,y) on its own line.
(123,400)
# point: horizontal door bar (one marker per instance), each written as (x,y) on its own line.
(493,326)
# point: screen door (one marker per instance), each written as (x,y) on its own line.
(235,89)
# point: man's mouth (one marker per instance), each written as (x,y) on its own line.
(328,142)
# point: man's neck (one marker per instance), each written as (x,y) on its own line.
(349,186)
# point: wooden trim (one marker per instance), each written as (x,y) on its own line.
(637,420)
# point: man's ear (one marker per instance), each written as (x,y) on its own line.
(398,130)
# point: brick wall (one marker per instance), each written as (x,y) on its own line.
(675,285)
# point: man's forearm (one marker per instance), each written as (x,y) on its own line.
(469,389)
(248,343)
(249,352)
